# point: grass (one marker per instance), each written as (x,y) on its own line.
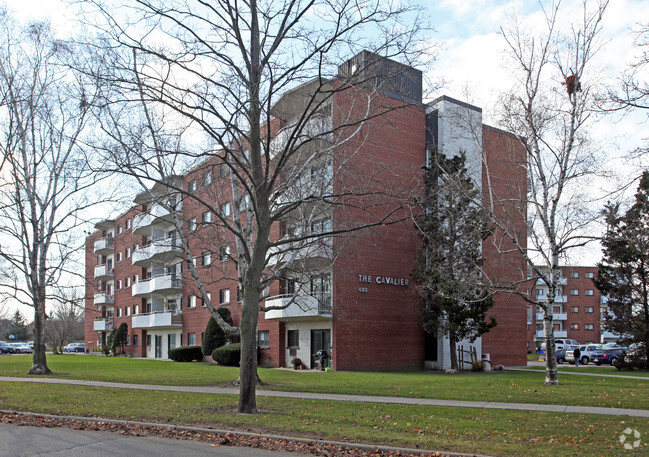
(510,386)
(603,369)
(494,432)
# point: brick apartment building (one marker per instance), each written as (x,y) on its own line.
(578,312)
(359,302)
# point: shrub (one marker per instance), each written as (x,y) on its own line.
(228,355)
(186,354)
(119,338)
(214,337)
(629,362)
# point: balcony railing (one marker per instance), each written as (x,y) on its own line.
(321,248)
(299,306)
(156,214)
(162,249)
(104,245)
(157,319)
(562,282)
(103,324)
(557,333)
(104,271)
(555,316)
(162,284)
(103,298)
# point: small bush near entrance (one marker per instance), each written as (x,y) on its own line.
(186,354)
(214,337)
(228,355)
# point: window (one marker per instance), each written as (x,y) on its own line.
(127,224)
(127,281)
(206,259)
(128,253)
(191,301)
(589,292)
(191,224)
(148,340)
(128,340)
(119,256)
(224,253)
(574,309)
(244,203)
(136,309)
(589,309)
(118,312)
(207,178)
(207,217)
(263,339)
(136,278)
(589,327)
(540,292)
(191,339)
(238,294)
(225,210)
(321,290)
(209,297)
(224,296)
(539,326)
(191,186)
(321,226)
(574,274)
(574,291)
(119,228)
(293,339)
(287,286)
(589,275)
(136,340)
(127,311)
(574,326)
(119,284)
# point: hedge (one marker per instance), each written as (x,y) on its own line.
(228,355)
(186,354)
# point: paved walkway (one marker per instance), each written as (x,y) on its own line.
(351,398)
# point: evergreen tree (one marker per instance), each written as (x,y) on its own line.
(214,337)
(452,226)
(18,329)
(623,274)
(119,338)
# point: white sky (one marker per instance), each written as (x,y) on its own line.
(471,62)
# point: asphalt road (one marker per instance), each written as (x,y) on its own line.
(25,441)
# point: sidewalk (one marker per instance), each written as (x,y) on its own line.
(349,398)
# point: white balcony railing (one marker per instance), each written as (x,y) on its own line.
(158,284)
(141,222)
(103,298)
(104,271)
(562,282)
(163,249)
(555,316)
(156,214)
(297,306)
(157,319)
(103,324)
(103,245)
(318,127)
(314,249)
(557,333)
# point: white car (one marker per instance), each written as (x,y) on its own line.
(586,350)
(562,343)
(21,348)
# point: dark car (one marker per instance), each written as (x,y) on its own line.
(561,355)
(609,356)
(6,348)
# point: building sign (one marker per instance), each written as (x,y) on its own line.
(381,280)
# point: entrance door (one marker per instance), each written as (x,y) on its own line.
(320,340)
(158,346)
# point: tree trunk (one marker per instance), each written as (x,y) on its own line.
(248,369)
(551,377)
(39,364)
(453,349)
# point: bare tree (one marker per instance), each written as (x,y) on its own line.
(551,109)
(44,176)
(65,323)
(257,80)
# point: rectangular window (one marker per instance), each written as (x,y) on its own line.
(191,301)
(118,312)
(128,340)
(321,290)
(191,186)
(224,296)
(207,217)
(574,309)
(589,292)
(225,210)
(589,275)
(207,178)
(263,339)
(589,327)
(128,253)
(119,284)
(127,281)
(136,340)
(148,340)
(127,310)
(539,326)
(119,228)
(286,286)
(574,292)
(293,339)
(206,259)
(540,292)
(127,224)
(136,278)
(589,309)
(238,294)
(574,326)
(224,253)
(136,309)
(208,296)
(574,274)
(191,224)
(119,256)
(191,339)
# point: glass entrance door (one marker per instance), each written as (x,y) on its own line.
(158,346)
(320,340)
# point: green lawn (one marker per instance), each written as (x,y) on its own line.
(494,432)
(603,369)
(510,386)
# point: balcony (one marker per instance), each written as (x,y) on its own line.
(562,282)
(157,214)
(103,325)
(161,250)
(300,306)
(103,298)
(157,319)
(557,333)
(312,250)
(316,128)
(164,284)
(555,317)
(141,222)
(104,272)
(104,246)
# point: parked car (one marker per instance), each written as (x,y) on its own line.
(561,354)
(586,350)
(6,348)
(562,343)
(21,348)
(75,347)
(608,355)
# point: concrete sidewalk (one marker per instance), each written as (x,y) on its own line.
(349,398)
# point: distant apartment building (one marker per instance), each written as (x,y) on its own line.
(359,302)
(578,311)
